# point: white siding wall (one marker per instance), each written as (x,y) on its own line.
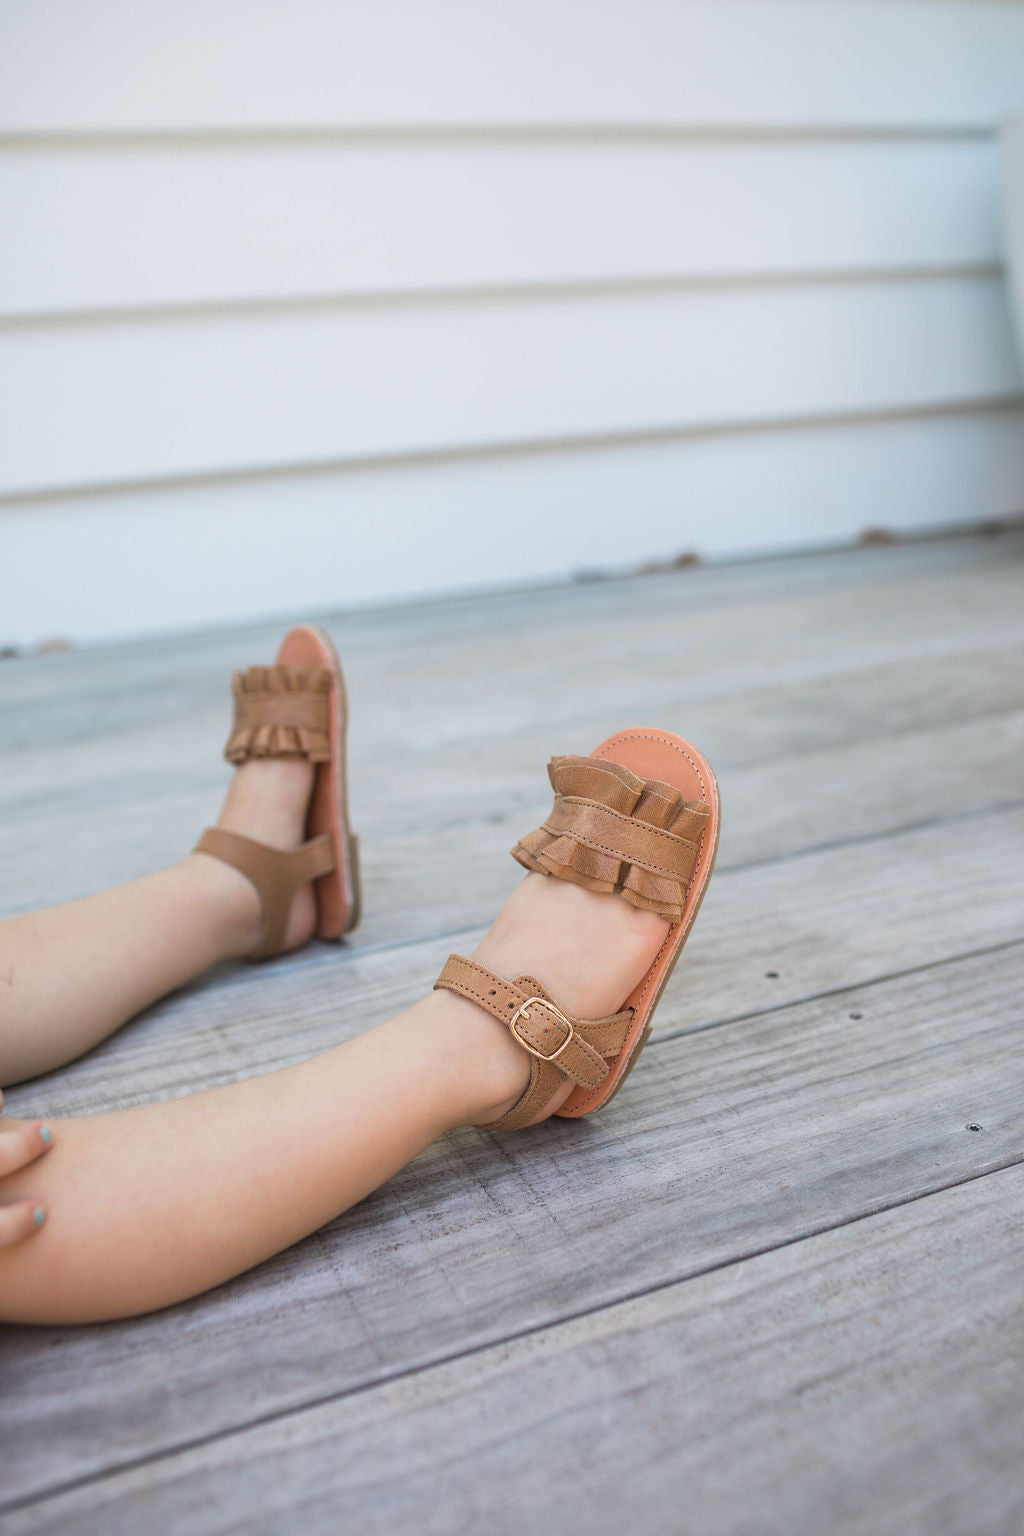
(315,303)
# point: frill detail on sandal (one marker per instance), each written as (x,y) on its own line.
(610,831)
(281,712)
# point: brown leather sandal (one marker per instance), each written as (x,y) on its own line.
(296,708)
(640,817)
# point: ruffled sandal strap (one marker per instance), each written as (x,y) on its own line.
(560,1046)
(612,831)
(281,711)
(277,873)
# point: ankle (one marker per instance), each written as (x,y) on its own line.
(226,903)
(485,1071)
(267,800)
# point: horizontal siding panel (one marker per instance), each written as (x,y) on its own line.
(149,226)
(93,404)
(328,277)
(230,64)
(213,554)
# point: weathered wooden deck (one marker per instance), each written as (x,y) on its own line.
(776,1287)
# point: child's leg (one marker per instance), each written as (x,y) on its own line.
(150,1205)
(71,975)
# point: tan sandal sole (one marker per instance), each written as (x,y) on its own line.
(338,894)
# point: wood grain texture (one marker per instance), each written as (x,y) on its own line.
(769,935)
(723,1143)
(669,640)
(794,696)
(863,1381)
(411,853)
(847,1007)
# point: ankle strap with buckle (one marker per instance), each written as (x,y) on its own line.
(561,1046)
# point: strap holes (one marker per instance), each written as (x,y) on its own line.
(493,992)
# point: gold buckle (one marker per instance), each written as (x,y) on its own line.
(523,1011)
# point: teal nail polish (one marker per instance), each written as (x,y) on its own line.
(38,1215)
(46,1134)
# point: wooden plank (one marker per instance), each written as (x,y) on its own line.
(719,494)
(92,756)
(723,1144)
(790,807)
(138,772)
(335,384)
(889,604)
(769,936)
(765,624)
(749,64)
(862,1379)
(87,228)
(121,828)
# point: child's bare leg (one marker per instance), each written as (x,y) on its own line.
(150,1205)
(71,975)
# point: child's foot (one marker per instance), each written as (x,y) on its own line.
(589,951)
(267,800)
(284,830)
(639,819)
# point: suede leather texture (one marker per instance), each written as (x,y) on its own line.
(610,830)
